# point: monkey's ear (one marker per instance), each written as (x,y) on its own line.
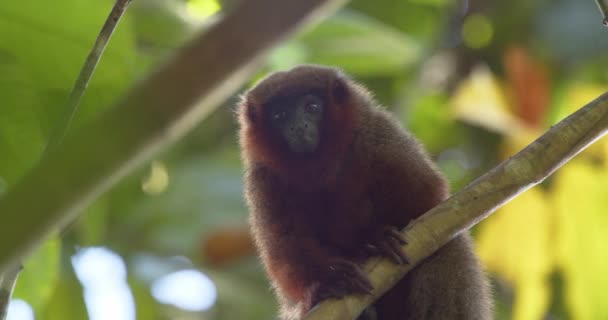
(251,112)
(247,111)
(339,90)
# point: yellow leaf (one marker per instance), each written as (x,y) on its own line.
(515,244)
(580,198)
(480,100)
(577,96)
(157,180)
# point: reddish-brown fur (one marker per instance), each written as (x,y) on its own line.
(311,212)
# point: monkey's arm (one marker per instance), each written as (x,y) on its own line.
(407,183)
(450,284)
(300,266)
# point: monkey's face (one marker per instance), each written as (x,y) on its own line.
(297,121)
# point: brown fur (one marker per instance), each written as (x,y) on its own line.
(310,212)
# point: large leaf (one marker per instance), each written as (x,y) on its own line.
(42,50)
(418,18)
(67,301)
(515,243)
(37,281)
(359,45)
(203,193)
(580,194)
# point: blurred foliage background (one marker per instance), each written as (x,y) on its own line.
(474,80)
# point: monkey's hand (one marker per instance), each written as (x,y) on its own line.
(387,242)
(342,277)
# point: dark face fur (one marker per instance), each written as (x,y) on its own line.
(297,121)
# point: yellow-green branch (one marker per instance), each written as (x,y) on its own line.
(479,199)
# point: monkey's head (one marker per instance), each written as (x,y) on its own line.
(301,115)
(296,120)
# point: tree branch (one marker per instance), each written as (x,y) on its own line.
(80,86)
(8,278)
(604,10)
(478,200)
(153,114)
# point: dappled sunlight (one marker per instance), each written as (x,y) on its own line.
(187,289)
(103,276)
(19,310)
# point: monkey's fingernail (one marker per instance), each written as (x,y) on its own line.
(396,258)
(371,249)
(404,259)
(367,287)
(398,236)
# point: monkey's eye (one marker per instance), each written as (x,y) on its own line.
(313,107)
(312,103)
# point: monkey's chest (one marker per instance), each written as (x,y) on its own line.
(337,217)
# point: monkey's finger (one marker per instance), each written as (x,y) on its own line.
(357,279)
(389,251)
(354,286)
(331,292)
(395,234)
(371,250)
(337,290)
(398,250)
(363,284)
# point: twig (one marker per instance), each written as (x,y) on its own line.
(478,200)
(80,86)
(604,10)
(153,114)
(7,285)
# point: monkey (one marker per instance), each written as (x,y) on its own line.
(330,179)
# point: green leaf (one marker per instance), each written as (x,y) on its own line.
(91,227)
(67,301)
(204,192)
(40,272)
(42,50)
(21,138)
(360,45)
(163,24)
(418,18)
(146,306)
(431,122)
(243,292)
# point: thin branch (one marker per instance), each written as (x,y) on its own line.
(478,200)
(153,114)
(80,86)
(604,10)
(7,284)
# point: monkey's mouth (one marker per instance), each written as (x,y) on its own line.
(304,142)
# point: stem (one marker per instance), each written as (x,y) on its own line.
(82,82)
(604,10)
(7,285)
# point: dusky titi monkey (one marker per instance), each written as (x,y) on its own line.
(330,178)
